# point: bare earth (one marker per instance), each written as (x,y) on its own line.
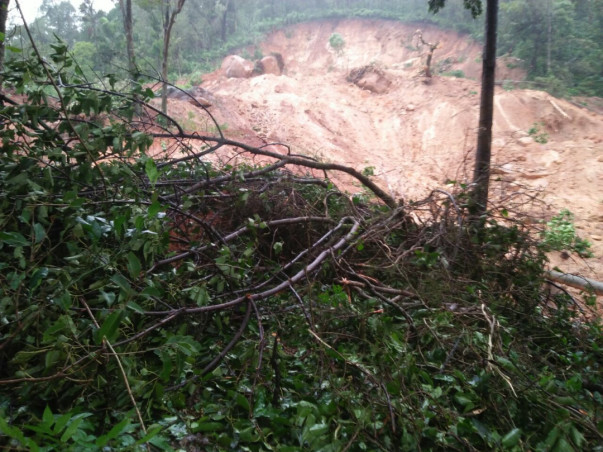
(417,135)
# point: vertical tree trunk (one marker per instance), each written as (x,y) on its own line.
(126,11)
(481,174)
(168,22)
(548,35)
(3,17)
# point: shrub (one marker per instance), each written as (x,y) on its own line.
(560,235)
(337,43)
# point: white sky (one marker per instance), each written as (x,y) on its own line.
(30,8)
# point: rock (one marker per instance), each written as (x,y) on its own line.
(370,78)
(198,100)
(525,141)
(193,96)
(375,83)
(235,66)
(270,65)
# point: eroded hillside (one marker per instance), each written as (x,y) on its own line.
(419,133)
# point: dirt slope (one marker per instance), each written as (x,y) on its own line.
(417,135)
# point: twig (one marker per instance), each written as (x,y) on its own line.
(122,370)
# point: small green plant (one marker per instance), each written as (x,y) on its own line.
(368,171)
(560,235)
(538,135)
(472,92)
(455,73)
(337,43)
(195,78)
(508,85)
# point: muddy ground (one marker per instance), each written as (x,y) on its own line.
(421,132)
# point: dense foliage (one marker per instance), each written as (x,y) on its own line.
(178,302)
(559,42)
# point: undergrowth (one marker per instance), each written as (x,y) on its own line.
(181,303)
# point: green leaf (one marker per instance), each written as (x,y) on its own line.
(151,171)
(134,265)
(577,437)
(117,429)
(37,277)
(47,417)
(563,446)
(209,427)
(17,434)
(39,232)
(13,239)
(122,283)
(154,209)
(110,327)
(512,438)
(242,402)
(69,431)
(61,422)
(135,307)
(152,432)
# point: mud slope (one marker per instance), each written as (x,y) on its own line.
(416,135)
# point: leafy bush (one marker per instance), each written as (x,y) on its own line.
(560,235)
(538,135)
(337,43)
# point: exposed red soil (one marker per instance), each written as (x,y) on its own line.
(421,132)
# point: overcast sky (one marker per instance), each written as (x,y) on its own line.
(30,7)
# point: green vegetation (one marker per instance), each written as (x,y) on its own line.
(457,73)
(151,302)
(537,134)
(337,43)
(564,59)
(560,235)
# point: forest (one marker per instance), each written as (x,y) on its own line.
(559,42)
(169,289)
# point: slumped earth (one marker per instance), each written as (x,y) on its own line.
(419,133)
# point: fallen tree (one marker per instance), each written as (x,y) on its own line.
(578,282)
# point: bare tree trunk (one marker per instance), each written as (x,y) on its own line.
(3,17)
(168,23)
(126,12)
(481,173)
(548,36)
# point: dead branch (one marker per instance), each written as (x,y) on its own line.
(578,282)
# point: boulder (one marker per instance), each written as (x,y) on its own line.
(370,78)
(235,66)
(195,96)
(270,65)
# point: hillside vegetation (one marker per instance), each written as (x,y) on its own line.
(558,42)
(183,302)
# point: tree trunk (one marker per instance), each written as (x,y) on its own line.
(126,11)
(3,17)
(481,173)
(168,23)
